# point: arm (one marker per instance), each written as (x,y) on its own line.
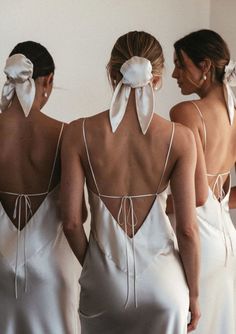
(185,113)
(73,207)
(182,187)
(232,198)
(169,205)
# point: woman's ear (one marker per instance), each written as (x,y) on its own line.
(48,80)
(205,65)
(156,82)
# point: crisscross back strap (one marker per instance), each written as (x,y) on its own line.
(88,157)
(203,125)
(55,157)
(167,156)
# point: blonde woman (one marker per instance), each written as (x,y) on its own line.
(134,279)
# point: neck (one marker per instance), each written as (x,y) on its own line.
(208,89)
(16,109)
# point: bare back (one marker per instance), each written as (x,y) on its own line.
(215,138)
(218,137)
(28,149)
(127,162)
(220,149)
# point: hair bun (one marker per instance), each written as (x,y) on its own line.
(137,72)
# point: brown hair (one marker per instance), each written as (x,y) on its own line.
(134,43)
(38,55)
(204,44)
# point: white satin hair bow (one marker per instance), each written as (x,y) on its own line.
(137,74)
(19,71)
(230,81)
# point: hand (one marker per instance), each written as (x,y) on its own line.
(194,309)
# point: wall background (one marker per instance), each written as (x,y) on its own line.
(80,35)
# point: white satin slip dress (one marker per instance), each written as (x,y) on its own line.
(218,260)
(38,271)
(132,285)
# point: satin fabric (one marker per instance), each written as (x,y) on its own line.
(218,263)
(230,81)
(50,303)
(137,74)
(19,71)
(150,295)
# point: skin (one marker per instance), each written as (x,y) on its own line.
(28,146)
(140,162)
(220,155)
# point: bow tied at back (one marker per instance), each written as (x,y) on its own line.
(19,71)
(137,74)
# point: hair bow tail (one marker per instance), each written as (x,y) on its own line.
(230,101)
(145,105)
(8,92)
(118,105)
(26,94)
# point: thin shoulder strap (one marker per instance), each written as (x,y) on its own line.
(88,157)
(203,125)
(55,157)
(167,156)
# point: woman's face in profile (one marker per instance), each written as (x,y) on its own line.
(188,75)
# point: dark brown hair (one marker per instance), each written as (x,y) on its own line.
(38,55)
(204,44)
(134,43)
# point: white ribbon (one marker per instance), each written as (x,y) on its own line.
(19,71)
(230,81)
(137,74)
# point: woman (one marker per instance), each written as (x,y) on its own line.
(203,66)
(127,156)
(38,271)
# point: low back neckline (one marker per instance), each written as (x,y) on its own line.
(25,198)
(126,210)
(218,184)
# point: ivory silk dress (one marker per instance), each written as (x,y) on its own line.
(218,258)
(132,285)
(38,271)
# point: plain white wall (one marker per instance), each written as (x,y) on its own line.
(222,20)
(80,35)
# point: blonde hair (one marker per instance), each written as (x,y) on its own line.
(134,43)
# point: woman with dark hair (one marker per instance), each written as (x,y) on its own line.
(38,271)
(134,279)
(203,66)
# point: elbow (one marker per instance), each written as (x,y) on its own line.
(188,233)
(200,201)
(201,198)
(69,226)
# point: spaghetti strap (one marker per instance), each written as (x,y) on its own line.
(88,157)
(55,157)
(203,125)
(167,156)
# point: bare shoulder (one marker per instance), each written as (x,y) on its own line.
(185,113)
(184,141)
(73,132)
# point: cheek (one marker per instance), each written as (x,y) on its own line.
(175,73)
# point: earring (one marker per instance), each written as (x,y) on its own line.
(45,94)
(155,87)
(204,77)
